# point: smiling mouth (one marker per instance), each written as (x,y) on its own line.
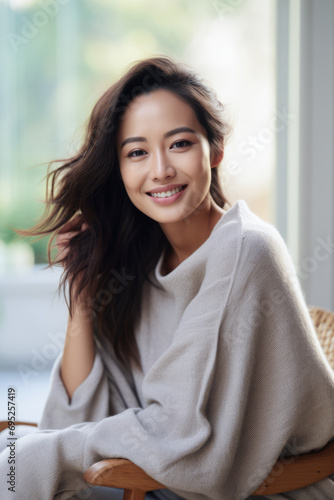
(167,194)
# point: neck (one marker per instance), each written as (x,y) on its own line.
(187,235)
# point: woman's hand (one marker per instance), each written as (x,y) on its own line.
(66,233)
(64,236)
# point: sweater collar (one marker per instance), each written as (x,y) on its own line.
(193,263)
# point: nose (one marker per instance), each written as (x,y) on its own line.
(161,167)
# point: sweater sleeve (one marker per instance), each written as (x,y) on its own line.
(243,378)
(90,401)
(106,391)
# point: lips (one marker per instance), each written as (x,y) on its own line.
(170,199)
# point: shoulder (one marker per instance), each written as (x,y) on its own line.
(246,240)
(240,226)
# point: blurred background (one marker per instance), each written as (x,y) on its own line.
(271,63)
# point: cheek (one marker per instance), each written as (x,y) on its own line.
(126,175)
(131,179)
(198,165)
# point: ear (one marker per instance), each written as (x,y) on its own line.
(217,158)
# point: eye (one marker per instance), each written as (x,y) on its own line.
(133,155)
(182,144)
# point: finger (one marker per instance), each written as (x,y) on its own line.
(67,224)
(62,253)
(75,222)
(67,236)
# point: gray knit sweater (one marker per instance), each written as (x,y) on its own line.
(233,377)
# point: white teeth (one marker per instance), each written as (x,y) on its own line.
(166,194)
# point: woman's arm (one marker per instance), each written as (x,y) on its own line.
(79,350)
(87,384)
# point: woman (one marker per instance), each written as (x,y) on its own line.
(189,348)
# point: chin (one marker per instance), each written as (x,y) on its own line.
(170,218)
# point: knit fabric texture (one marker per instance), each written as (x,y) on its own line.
(233,378)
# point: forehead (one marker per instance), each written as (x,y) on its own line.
(159,111)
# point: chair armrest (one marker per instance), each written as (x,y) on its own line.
(4,424)
(286,475)
(120,473)
(293,473)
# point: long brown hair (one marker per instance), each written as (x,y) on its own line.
(114,257)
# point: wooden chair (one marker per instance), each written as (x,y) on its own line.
(286,475)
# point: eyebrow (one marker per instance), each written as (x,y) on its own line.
(166,135)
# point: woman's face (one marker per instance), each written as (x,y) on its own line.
(162,146)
